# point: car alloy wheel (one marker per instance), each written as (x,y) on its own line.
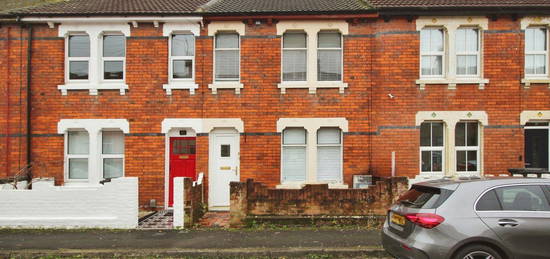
(479,255)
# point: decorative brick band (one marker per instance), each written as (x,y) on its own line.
(147,37)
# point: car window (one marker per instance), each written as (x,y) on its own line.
(522,198)
(423,197)
(489,201)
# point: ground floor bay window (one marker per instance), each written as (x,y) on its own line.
(467,146)
(311,151)
(432,146)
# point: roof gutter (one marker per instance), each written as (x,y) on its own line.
(110,19)
(294,17)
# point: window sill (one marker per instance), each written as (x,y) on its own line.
(301,185)
(191,86)
(93,88)
(226,85)
(535,80)
(312,86)
(451,83)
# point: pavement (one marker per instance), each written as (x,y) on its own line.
(216,243)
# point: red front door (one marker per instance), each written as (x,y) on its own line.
(182,161)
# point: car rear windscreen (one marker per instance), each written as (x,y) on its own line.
(423,197)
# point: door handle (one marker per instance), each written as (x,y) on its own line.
(507,222)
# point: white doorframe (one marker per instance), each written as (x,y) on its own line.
(211,162)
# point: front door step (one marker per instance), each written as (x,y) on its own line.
(163,219)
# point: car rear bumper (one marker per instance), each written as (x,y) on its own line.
(397,249)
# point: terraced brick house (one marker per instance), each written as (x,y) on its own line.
(284,92)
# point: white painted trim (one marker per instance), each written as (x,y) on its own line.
(91,125)
(311,125)
(450,25)
(111,19)
(528,21)
(312,28)
(452,117)
(169,124)
(226,85)
(210,124)
(527,116)
(171,27)
(95,32)
(216,26)
(179,202)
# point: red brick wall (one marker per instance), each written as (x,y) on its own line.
(379,58)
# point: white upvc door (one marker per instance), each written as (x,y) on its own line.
(224,162)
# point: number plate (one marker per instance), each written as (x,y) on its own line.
(397,219)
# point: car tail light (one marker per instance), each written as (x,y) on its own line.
(425,220)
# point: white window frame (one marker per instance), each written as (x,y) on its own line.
(341,49)
(469,53)
(341,146)
(469,148)
(103,59)
(436,148)
(103,156)
(545,53)
(68,59)
(435,53)
(450,24)
(171,59)
(283,145)
(238,49)
(75,156)
(285,49)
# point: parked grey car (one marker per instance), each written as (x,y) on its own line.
(500,218)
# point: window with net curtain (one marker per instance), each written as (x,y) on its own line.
(467,51)
(112,153)
(295,56)
(329,56)
(536,51)
(79,56)
(294,155)
(78,148)
(227,57)
(329,155)
(431,147)
(432,50)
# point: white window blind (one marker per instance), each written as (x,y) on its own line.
(78,146)
(467,51)
(329,155)
(294,155)
(227,57)
(536,51)
(329,56)
(432,50)
(112,156)
(294,56)
(182,56)
(78,56)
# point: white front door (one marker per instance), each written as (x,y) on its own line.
(224,167)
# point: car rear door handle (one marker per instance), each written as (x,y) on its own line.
(507,222)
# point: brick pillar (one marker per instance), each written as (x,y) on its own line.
(239,203)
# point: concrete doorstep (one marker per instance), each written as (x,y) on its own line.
(297,243)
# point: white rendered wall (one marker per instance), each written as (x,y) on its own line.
(179,202)
(113,205)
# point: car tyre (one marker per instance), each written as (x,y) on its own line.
(477,252)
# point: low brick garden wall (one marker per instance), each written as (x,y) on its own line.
(249,199)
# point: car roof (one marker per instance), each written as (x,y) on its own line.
(452,183)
